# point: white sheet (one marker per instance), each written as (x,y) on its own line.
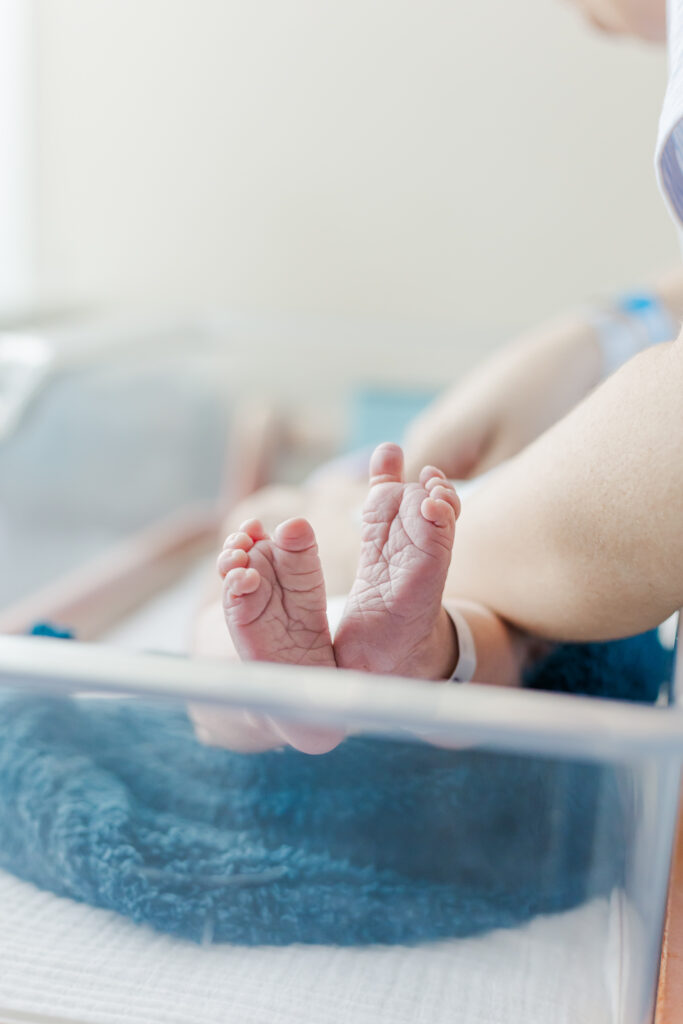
(67,961)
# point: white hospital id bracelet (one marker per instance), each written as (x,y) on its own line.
(467,655)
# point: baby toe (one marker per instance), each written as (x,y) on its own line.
(294,535)
(447,493)
(254,529)
(437,511)
(238,540)
(430,473)
(386,464)
(240,582)
(232,558)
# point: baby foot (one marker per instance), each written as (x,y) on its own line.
(276,610)
(393,621)
(274,594)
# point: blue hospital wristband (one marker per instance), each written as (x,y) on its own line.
(635,322)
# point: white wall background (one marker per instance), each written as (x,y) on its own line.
(476,165)
(17,156)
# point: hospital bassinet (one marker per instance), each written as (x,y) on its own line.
(467,854)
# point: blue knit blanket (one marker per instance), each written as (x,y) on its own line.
(115,804)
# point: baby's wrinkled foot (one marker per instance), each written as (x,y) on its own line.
(276,610)
(274,594)
(393,621)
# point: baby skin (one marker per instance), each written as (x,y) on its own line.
(274,592)
(394,621)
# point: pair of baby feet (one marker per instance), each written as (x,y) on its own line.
(274,597)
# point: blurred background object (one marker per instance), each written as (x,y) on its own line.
(443,171)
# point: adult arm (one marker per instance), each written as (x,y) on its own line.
(520,391)
(580,537)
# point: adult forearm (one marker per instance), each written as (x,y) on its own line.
(581,535)
(531,383)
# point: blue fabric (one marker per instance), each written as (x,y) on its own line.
(634,669)
(380,414)
(49,629)
(115,804)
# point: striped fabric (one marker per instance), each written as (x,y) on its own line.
(669,154)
